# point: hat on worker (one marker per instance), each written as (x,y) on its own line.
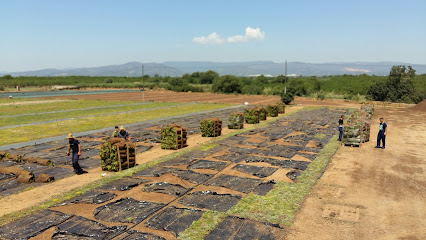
(70,135)
(122,128)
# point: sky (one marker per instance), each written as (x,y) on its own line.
(88,33)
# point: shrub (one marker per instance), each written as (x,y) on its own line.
(109,80)
(287,97)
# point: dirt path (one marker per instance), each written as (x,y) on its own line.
(369,193)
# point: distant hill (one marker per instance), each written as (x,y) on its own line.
(133,69)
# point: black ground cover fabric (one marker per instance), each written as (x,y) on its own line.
(153,172)
(233,157)
(244,185)
(136,235)
(33,225)
(126,210)
(174,220)
(260,172)
(82,228)
(263,188)
(123,184)
(166,188)
(91,197)
(210,200)
(57,172)
(207,164)
(192,176)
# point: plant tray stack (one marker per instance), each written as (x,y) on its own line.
(281,107)
(369,109)
(211,127)
(236,121)
(272,110)
(263,112)
(117,154)
(352,134)
(251,116)
(173,137)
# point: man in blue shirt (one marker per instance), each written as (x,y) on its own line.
(341,127)
(123,134)
(381,136)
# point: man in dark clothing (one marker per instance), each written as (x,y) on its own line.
(341,127)
(76,153)
(381,136)
(123,134)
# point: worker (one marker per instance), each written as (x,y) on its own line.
(76,153)
(123,134)
(341,127)
(381,136)
(115,133)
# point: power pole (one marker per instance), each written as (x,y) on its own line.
(285,78)
(143,89)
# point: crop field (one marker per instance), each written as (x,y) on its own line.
(246,184)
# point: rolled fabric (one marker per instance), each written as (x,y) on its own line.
(44,178)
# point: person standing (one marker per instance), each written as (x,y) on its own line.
(341,127)
(76,153)
(381,136)
(123,134)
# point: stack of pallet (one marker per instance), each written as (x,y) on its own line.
(272,110)
(174,137)
(281,107)
(236,121)
(211,127)
(263,113)
(352,134)
(369,109)
(117,154)
(251,116)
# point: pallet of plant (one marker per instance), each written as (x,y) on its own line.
(272,110)
(211,127)
(281,107)
(251,116)
(263,113)
(117,154)
(352,135)
(173,137)
(368,108)
(236,121)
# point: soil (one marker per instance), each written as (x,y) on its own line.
(369,193)
(421,106)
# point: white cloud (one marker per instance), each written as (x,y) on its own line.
(214,38)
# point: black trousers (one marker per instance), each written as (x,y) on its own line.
(75,164)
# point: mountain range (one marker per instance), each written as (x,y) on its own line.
(178,68)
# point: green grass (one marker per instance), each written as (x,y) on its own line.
(28,133)
(15,109)
(206,147)
(11,121)
(320,135)
(201,227)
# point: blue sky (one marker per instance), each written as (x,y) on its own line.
(87,33)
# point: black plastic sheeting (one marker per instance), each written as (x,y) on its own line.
(174,220)
(123,184)
(210,200)
(263,188)
(136,235)
(166,188)
(33,225)
(180,161)
(153,172)
(126,210)
(244,185)
(192,176)
(233,157)
(242,150)
(260,172)
(292,164)
(207,164)
(293,174)
(91,197)
(238,228)
(83,228)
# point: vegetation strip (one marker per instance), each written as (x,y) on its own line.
(88,116)
(76,109)
(129,172)
(28,133)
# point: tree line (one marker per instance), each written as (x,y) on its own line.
(401,85)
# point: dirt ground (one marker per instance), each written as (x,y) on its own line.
(369,193)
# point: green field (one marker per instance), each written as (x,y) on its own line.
(108,118)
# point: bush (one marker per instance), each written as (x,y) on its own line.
(109,80)
(252,90)
(227,84)
(1,88)
(288,97)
